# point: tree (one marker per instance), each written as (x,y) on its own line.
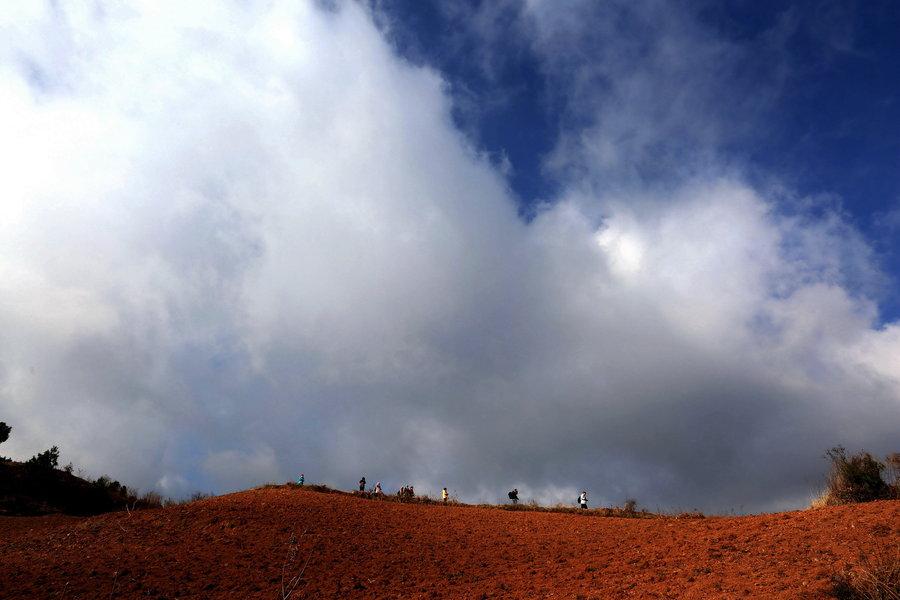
(4,431)
(48,459)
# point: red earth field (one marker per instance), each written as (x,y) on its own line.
(239,546)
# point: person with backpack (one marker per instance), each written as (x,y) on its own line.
(362,484)
(514,496)
(582,499)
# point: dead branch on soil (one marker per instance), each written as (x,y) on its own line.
(288,587)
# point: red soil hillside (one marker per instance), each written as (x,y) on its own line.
(236,546)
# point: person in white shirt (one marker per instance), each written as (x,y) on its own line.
(582,499)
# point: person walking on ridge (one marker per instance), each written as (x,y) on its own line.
(444,495)
(362,484)
(300,480)
(582,499)
(378,489)
(514,496)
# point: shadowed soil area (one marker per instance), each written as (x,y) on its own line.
(240,546)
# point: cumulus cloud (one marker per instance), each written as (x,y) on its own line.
(242,241)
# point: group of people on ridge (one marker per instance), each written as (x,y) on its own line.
(407,492)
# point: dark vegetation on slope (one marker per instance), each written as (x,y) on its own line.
(29,490)
(38,487)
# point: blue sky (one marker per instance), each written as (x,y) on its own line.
(829,125)
(645,249)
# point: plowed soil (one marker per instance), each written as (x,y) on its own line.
(240,546)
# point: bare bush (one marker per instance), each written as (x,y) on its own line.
(854,478)
(150,499)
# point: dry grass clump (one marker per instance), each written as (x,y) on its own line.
(876,577)
(151,499)
(822,500)
(315,487)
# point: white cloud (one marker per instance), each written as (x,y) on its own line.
(238,242)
